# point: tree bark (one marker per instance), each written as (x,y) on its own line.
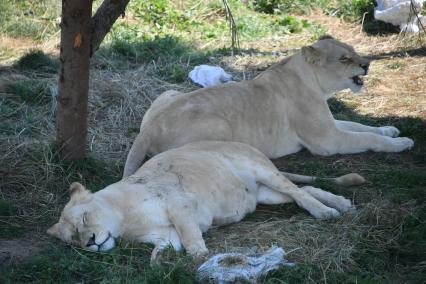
(104,18)
(71,119)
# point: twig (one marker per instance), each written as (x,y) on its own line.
(235,43)
(362,22)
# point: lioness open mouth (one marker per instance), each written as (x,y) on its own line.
(358,80)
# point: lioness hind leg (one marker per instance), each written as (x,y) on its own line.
(268,196)
(274,181)
(331,200)
(272,197)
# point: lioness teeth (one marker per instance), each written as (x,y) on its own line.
(358,80)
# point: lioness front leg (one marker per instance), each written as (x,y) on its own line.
(358,127)
(181,214)
(336,141)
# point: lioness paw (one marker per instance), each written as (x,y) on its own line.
(197,250)
(402,143)
(389,131)
(327,213)
(343,204)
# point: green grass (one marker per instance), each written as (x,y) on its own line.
(30,91)
(205,22)
(94,174)
(59,264)
(289,6)
(29,19)
(9,229)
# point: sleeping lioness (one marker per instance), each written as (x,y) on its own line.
(281,111)
(180,193)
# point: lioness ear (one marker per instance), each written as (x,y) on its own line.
(325,37)
(311,54)
(54,231)
(77,188)
(78,192)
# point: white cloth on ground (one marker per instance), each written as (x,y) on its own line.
(206,75)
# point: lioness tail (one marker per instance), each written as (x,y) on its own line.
(347,180)
(136,154)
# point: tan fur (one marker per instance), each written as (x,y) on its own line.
(279,112)
(180,193)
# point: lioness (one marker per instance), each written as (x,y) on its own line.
(180,193)
(281,111)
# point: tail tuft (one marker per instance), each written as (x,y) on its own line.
(350,179)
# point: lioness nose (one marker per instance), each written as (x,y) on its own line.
(91,241)
(365,67)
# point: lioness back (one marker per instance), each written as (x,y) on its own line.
(227,112)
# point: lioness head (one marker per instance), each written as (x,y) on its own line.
(86,221)
(337,66)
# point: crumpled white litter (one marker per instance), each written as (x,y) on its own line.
(397,12)
(228,267)
(206,75)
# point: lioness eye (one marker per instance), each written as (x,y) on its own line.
(84,218)
(345,59)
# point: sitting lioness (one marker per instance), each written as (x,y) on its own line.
(281,111)
(180,193)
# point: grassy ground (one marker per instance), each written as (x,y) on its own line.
(151,50)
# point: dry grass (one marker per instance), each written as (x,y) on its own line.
(35,180)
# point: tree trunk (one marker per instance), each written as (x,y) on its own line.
(71,119)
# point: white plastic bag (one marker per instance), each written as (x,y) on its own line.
(397,12)
(228,267)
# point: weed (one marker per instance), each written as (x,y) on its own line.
(395,65)
(175,73)
(356,8)
(37,60)
(317,31)
(294,25)
(148,50)
(93,173)
(162,15)
(30,91)
(288,6)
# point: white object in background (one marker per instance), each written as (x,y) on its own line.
(228,267)
(397,12)
(206,75)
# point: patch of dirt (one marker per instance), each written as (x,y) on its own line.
(17,249)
